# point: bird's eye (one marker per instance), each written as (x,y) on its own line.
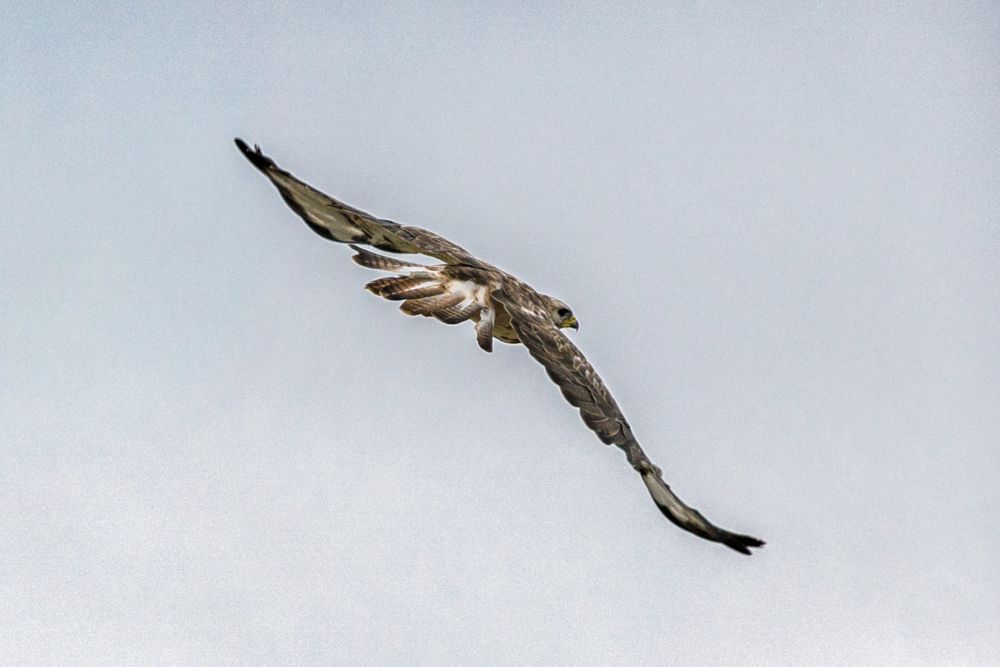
(562,312)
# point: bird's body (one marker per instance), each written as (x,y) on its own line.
(466,288)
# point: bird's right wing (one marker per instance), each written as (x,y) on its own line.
(336,221)
(584,389)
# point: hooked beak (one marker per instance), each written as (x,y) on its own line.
(571,323)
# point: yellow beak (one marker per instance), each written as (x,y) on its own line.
(571,323)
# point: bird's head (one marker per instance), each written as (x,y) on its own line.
(562,315)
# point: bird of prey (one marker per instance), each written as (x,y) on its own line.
(465,287)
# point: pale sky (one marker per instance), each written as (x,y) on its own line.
(778,224)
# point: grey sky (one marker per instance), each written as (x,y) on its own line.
(778,224)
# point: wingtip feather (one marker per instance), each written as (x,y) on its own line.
(691,519)
(256,158)
(742,543)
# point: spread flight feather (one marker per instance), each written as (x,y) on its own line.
(464,288)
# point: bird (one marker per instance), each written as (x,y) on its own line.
(466,288)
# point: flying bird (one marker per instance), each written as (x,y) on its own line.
(465,287)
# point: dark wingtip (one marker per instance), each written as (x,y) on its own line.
(742,543)
(257,158)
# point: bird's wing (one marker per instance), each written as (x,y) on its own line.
(584,389)
(336,221)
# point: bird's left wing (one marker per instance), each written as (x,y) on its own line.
(584,389)
(337,221)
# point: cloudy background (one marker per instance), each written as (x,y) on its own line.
(779,226)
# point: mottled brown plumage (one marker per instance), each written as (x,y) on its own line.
(503,307)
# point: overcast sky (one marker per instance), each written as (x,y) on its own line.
(778,224)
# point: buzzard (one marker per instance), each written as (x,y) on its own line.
(465,287)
